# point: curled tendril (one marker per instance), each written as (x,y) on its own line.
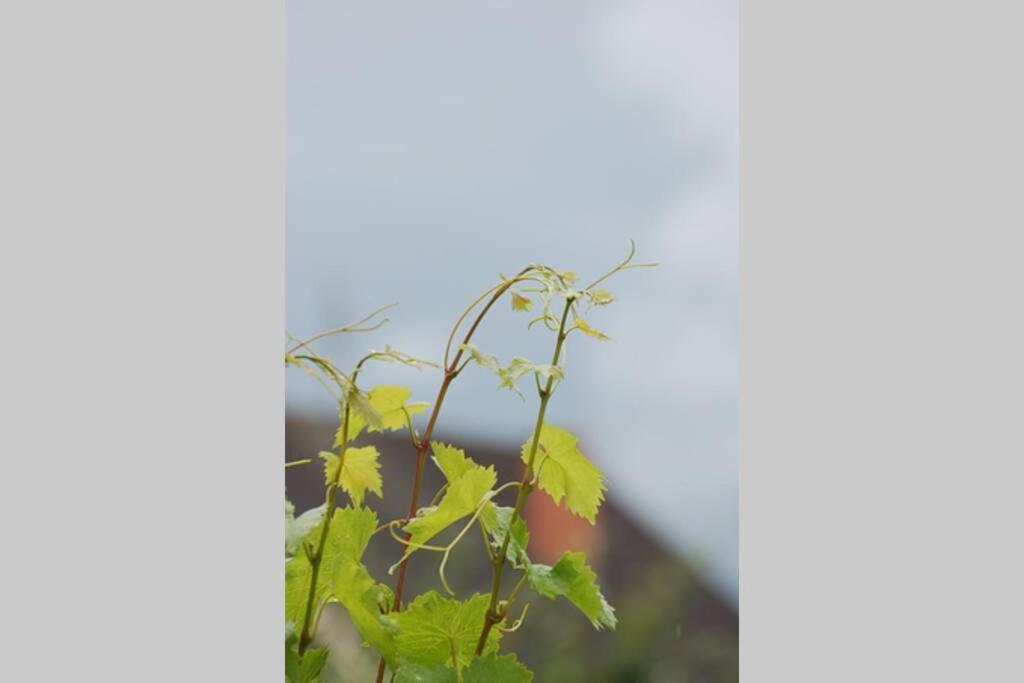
(446,551)
(517,623)
(408,544)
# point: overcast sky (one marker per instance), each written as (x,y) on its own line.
(432,145)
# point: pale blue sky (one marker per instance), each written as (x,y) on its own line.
(432,145)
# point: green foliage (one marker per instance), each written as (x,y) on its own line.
(366,602)
(464,495)
(490,668)
(565,472)
(584,327)
(573,579)
(496,520)
(520,302)
(484,360)
(423,673)
(389,405)
(297,528)
(452,461)
(432,638)
(493,668)
(435,630)
(517,368)
(359,473)
(303,668)
(347,537)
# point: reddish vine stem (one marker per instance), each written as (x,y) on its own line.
(451,371)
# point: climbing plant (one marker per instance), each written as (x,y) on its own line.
(439,636)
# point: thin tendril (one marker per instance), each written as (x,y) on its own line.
(351,327)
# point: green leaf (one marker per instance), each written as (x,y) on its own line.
(297,528)
(411,672)
(433,628)
(511,375)
(304,668)
(297,573)
(496,519)
(573,579)
(565,472)
(452,461)
(350,532)
(366,602)
(461,499)
(488,668)
(362,413)
(491,668)
(482,359)
(586,329)
(517,368)
(520,302)
(359,474)
(387,403)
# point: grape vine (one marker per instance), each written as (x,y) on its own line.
(437,637)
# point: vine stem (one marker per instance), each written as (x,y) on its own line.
(493,616)
(451,371)
(315,560)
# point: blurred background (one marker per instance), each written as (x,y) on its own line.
(433,145)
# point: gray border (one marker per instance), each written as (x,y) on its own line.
(881,341)
(142,267)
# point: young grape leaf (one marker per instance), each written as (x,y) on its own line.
(482,359)
(461,499)
(572,578)
(565,472)
(454,463)
(511,375)
(351,529)
(488,668)
(359,474)
(586,329)
(520,302)
(388,403)
(436,630)
(495,519)
(362,413)
(297,528)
